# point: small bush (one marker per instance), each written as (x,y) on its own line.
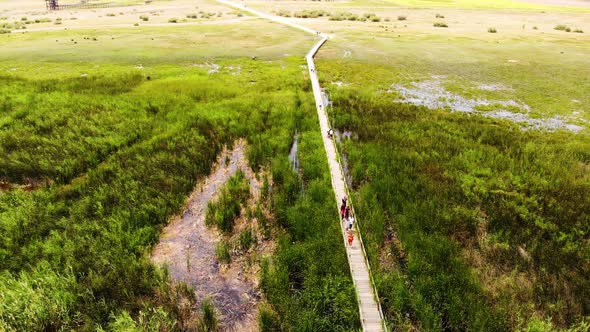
(192,16)
(247,239)
(579,31)
(3,31)
(311,13)
(401,18)
(73,18)
(222,253)
(57,22)
(268,320)
(111,14)
(439,16)
(492,30)
(173,20)
(144,18)
(283,13)
(387,19)
(561,27)
(440,25)
(535,28)
(135,24)
(24,19)
(3,18)
(240,14)
(374,18)
(208,322)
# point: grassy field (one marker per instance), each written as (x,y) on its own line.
(471,223)
(104,133)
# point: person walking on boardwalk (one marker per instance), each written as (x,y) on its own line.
(350,222)
(347,212)
(342,210)
(344,200)
(350,237)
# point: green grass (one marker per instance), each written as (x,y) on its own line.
(465,197)
(538,74)
(469,4)
(148,45)
(118,154)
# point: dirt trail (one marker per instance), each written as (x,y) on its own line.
(187,247)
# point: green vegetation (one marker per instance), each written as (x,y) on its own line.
(402,18)
(144,18)
(109,156)
(562,27)
(222,252)
(492,30)
(440,25)
(173,20)
(307,13)
(247,239)
(283,13)
(470,223)
(227,208)
(208,321)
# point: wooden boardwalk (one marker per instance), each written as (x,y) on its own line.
(369,308)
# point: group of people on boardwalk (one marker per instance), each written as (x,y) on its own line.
(348,219)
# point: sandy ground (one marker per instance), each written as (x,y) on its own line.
(159,13)
(574,3)
(187,247)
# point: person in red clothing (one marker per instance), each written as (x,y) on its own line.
(350,237)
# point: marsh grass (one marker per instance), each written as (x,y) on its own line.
(444,202)
(222,252)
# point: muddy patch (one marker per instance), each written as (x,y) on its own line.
(187,248)
(433,95)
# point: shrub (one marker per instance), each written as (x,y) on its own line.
(23,19)
(57,22)
(387,19)
(535,28)
(579,31)
(440,25)
(268,320)
(135,24)
(208,322)
(247,239)
(239,14)
(3,18)
(401,18)
(439,16)
(144,18)
(311,13)
(173,20)
(192,16)
(222,253)
(492,30)
(111,14)
(3,31)
(283,13)
(374,18)
(561,27)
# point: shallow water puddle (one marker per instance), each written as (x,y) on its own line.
(434,96)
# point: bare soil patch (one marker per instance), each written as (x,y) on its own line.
(187,248)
